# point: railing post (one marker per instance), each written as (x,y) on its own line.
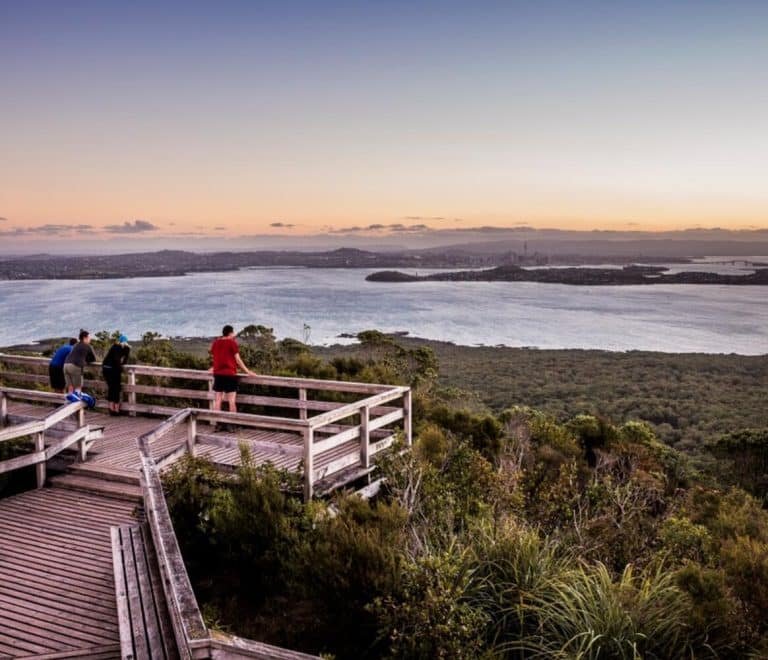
(302,403)
(191,434)
(82,448)
(132,393)
(408,418)
(365,437)
(210,393)
(81,418)
(40,467)
(309,464)
(3,409)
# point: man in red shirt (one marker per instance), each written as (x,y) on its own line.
(226,359)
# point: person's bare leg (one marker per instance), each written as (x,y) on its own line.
(231,400)
(217,400)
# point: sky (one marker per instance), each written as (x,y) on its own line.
(244,122)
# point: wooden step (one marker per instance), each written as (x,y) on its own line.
(105,472)
(341,479)
(145,623)
(85,484)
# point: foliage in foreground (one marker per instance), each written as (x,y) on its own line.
(581,540)
(509,534)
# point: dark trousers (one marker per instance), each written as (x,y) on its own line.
(114,384)
(56,375)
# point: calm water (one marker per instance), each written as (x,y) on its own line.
(713,319)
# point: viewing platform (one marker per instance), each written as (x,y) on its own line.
(89,562)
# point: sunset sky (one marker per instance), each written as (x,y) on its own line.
(228,119)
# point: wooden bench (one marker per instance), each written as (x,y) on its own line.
(145,625)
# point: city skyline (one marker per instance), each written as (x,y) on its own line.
(247,119)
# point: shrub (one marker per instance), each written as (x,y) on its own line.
(516,566)
(745,563)
(684,541)
(587,614)
(353,559)
(189,487)
(715,621)
(432,615)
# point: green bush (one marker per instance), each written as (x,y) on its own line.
(433,615)
(586,613)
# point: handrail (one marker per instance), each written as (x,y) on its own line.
(196,374)
(322,432)
(193,638)
(37,428)
(349,409)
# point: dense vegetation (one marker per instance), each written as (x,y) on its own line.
(555,526)
(688,399)
(503,534)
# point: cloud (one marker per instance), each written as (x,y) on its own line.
(424,217)
(347,230)
(282,225)
(219,229)
(136,227)
(49,230)
(3,219)
(378,227)
(488,229)
(416,228)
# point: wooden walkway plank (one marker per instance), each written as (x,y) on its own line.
(164,618)
(121,596)
(141,647)
(105,652)
(145,628)
(57,594)
(149,609)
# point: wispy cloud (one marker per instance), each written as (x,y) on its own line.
(424,218)
(49,230)
(415,228)
(378,227)
(281,225)
(489,229)
(3,219)
(219,229)
(135,227)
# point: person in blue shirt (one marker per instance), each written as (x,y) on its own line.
(56,366)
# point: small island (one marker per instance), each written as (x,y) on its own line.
(632,274)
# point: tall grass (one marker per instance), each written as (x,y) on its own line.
(586,613)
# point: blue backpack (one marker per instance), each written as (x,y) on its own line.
(87,399)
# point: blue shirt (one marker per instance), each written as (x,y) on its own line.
(59,356)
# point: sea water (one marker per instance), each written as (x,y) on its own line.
(664,317)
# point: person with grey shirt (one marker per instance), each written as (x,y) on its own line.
(81,355)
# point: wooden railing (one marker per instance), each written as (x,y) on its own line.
(364,425)
(193,638)
(299,400)
(82,435)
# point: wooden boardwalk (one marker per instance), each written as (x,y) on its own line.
(89,562)
(57,594)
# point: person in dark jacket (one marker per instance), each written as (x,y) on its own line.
(112,370)
(56,366)
(74,365)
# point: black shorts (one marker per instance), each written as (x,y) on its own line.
(56,374)
(224,383)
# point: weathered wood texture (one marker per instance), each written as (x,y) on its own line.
(57,595)
(56,552)
(144,621)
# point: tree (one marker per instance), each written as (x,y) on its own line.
(746,455)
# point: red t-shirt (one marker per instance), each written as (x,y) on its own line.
(223,351)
